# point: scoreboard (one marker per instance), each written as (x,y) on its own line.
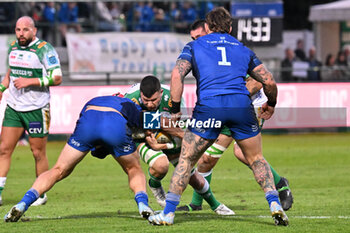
(257,24)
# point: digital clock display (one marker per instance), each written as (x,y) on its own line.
(258,30)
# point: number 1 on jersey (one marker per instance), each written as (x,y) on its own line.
(223,61)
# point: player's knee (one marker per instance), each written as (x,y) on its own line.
(59,172)
(39,155)
(5,152)
(161,165)
(206,163)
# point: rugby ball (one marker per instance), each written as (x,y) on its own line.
(163,137)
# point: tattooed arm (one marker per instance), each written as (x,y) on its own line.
(181,69)
(253,86)
(262,75)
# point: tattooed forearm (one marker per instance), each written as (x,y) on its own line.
(263,175)
(262,75)
(193,147)
(253,86)
(184,67)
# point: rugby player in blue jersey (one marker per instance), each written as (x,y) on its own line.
(212,155)
(104,122)
(220,64)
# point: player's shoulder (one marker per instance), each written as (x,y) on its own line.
(42,45)
(13,46)
(134,93)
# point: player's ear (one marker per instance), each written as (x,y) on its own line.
(230,30)
(206,28)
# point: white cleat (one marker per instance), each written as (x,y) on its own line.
(15,212)
(161,219)
(223,210)
(145,211)
(159,195)
(278,215)
(0,201)
(40,201)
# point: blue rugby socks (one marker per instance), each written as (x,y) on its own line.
(30,197)
(172,200)
(141,197)
(272,196)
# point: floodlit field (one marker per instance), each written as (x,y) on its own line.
(96,197)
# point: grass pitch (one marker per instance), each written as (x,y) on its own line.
(96,197)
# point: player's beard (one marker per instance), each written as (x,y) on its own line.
(24,42)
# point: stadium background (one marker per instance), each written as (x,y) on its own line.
(144,50)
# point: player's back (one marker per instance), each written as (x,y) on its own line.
(220,63)
(130,111)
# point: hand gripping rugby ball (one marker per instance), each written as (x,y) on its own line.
(163,137)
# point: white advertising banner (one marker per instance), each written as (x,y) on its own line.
(298,105)
(123,53)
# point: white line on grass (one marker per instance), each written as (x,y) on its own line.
(26,218)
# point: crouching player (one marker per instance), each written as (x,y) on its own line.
(152,96)
(113,113)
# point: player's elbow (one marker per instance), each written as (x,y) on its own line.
(57,80)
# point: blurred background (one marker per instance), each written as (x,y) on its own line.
(105,46)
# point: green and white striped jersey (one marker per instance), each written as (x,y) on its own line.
(36,60)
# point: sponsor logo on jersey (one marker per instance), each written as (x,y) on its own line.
(135,101)
(75,143)
(22,72)
(127,148)
(42,44)
(166,97)
(35,127)
(20,57)
(255,128)
(170,103)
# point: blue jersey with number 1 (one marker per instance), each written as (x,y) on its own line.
(220,64)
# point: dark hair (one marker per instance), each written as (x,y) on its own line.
(219,20)
(199,23)
(149,85)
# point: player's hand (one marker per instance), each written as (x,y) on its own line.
(22,82)
(266,111)
(152,142)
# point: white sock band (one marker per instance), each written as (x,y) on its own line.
(2,181)
(205,188)
(205,174)
(215,150)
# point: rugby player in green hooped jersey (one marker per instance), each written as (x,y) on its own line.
(33,67)
(153,96)
(212,155)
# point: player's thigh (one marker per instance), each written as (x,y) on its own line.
(69,158)
(9,138)
(251,147)
(128,162)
